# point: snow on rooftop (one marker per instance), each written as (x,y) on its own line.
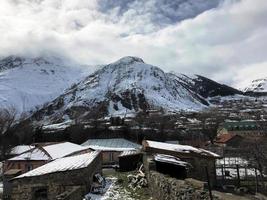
(63,149)
(58,126)
(55,151)
(21,149)
(34,154)
(170,159)
(63,164)
(180,148)
(115,144)
(232,161)
(127,153)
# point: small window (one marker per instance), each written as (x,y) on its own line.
(111,156)
(28,167)
(40,194)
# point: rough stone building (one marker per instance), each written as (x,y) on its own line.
(65,178)
(198,158)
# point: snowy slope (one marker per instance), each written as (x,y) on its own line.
(204,87)
(29,82)
(258,85)
(126,86)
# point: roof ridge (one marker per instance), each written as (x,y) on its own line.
(43,150)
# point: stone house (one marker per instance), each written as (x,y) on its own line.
(65,178)
(41,154)
(198,158)
(111,148)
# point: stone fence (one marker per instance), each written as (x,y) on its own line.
(165,188)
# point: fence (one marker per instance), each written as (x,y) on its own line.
(238,172)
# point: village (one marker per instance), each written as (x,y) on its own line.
(217,154)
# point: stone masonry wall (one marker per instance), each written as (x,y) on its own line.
(166,188)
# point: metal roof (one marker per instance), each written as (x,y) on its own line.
(114,144)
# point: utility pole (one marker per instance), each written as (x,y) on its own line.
(208,179)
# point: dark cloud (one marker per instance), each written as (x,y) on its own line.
(159,12)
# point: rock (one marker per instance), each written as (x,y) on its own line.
(198,185)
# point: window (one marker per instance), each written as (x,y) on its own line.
(28,167)
(40,193)
(111,156)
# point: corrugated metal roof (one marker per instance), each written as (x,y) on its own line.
(127,153)
(53,151)
(63,164)
(182,149)
(114,144)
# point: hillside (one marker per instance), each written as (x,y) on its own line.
(26,83)
(128,86)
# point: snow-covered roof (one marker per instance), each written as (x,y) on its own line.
(127,153)
(115,144)
(21,149)
(185,149)
(50,152)
(34,154)
(58,126)
(170,159)
(232,161)
(63,164)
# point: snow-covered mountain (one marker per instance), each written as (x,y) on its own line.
(258,85)
(127,86)
(205,87)
(29,82)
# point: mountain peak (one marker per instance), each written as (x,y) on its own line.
(13,61)
(257,85)
(130,60)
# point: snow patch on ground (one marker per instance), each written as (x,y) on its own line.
(112,191)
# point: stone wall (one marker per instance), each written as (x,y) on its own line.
(74,193)
(163,187)
(56,183)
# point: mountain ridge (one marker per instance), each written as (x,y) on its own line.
(128,86)
(26,83)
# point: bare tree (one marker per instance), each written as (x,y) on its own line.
(211,120)
(7,119)
(257,154)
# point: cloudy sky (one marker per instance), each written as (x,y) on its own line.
(225,40)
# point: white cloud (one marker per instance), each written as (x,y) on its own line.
(222,43)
